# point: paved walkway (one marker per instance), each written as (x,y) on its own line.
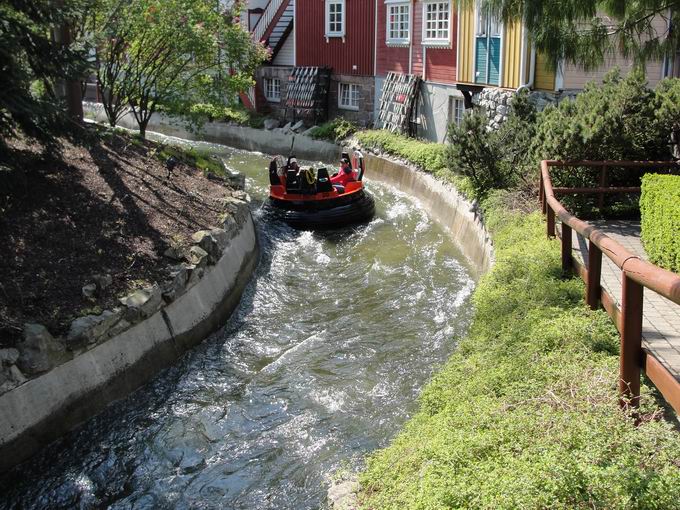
(661,317)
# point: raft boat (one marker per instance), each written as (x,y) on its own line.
(306,199)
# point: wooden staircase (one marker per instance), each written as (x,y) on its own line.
(275,24)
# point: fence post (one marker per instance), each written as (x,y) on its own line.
(541,194)
(604,179)
(551,221)
(631,341)
(566,248)
(594,274)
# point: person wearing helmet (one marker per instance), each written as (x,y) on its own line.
(345,175)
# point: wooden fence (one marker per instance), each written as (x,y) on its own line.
(636,276)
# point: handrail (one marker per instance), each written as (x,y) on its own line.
(659,280)
(637,274)
(268,15)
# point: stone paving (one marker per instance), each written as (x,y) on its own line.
(661,317)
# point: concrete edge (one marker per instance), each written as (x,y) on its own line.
(233,135)
(41,410)
(444,204)
(442,201)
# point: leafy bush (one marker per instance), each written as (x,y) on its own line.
(524,414)
(492,159)
(200,113)
(335,130)
(423,154)
(660,208)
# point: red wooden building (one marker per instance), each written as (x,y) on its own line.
(419,37)
(340,34)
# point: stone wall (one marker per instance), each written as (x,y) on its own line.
(275,110)
(104,357)
(364,115)
(496,102)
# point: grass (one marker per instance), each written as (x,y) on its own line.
(525,413)
(202,160)
(427,156)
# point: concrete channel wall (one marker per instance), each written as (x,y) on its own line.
(239,137)
(42,409)
(443,203)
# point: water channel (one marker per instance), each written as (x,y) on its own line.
(321,364)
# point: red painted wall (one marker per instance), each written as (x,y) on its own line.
(440,62)
(312,48)
(389,58)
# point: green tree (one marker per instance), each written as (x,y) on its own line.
(585,32)
(171,54)
(493,159)
(32,64)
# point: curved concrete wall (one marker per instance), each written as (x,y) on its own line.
(444,203)
(239,137)
(39,411)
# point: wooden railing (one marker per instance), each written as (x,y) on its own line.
(636,275)
(270,12)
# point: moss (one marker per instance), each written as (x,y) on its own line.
(525,414)
(200,159)
(335,130)
(660,209)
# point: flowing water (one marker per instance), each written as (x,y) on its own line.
(321,364)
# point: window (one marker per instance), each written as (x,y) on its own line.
(398,22)
(456,110)
(272,89)
(335,18)
(436,23)
(348,96)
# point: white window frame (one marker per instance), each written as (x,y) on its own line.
(437,41)
(348,106)
(270,82)
(456,110)
(397,41)
(343,19)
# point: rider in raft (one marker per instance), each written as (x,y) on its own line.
(345,175)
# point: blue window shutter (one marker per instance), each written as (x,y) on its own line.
(494,60)
(481,55)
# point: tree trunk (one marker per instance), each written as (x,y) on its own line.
(69,88)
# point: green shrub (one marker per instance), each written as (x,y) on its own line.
(493,159)
(201,159)
(335,130)
(622,119)
(423,154)
(660,208)
(525,414)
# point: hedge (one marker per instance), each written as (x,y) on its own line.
(426,155)
(525,412)
(660,210)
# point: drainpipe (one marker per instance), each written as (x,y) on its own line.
(412,37)
(532,63)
